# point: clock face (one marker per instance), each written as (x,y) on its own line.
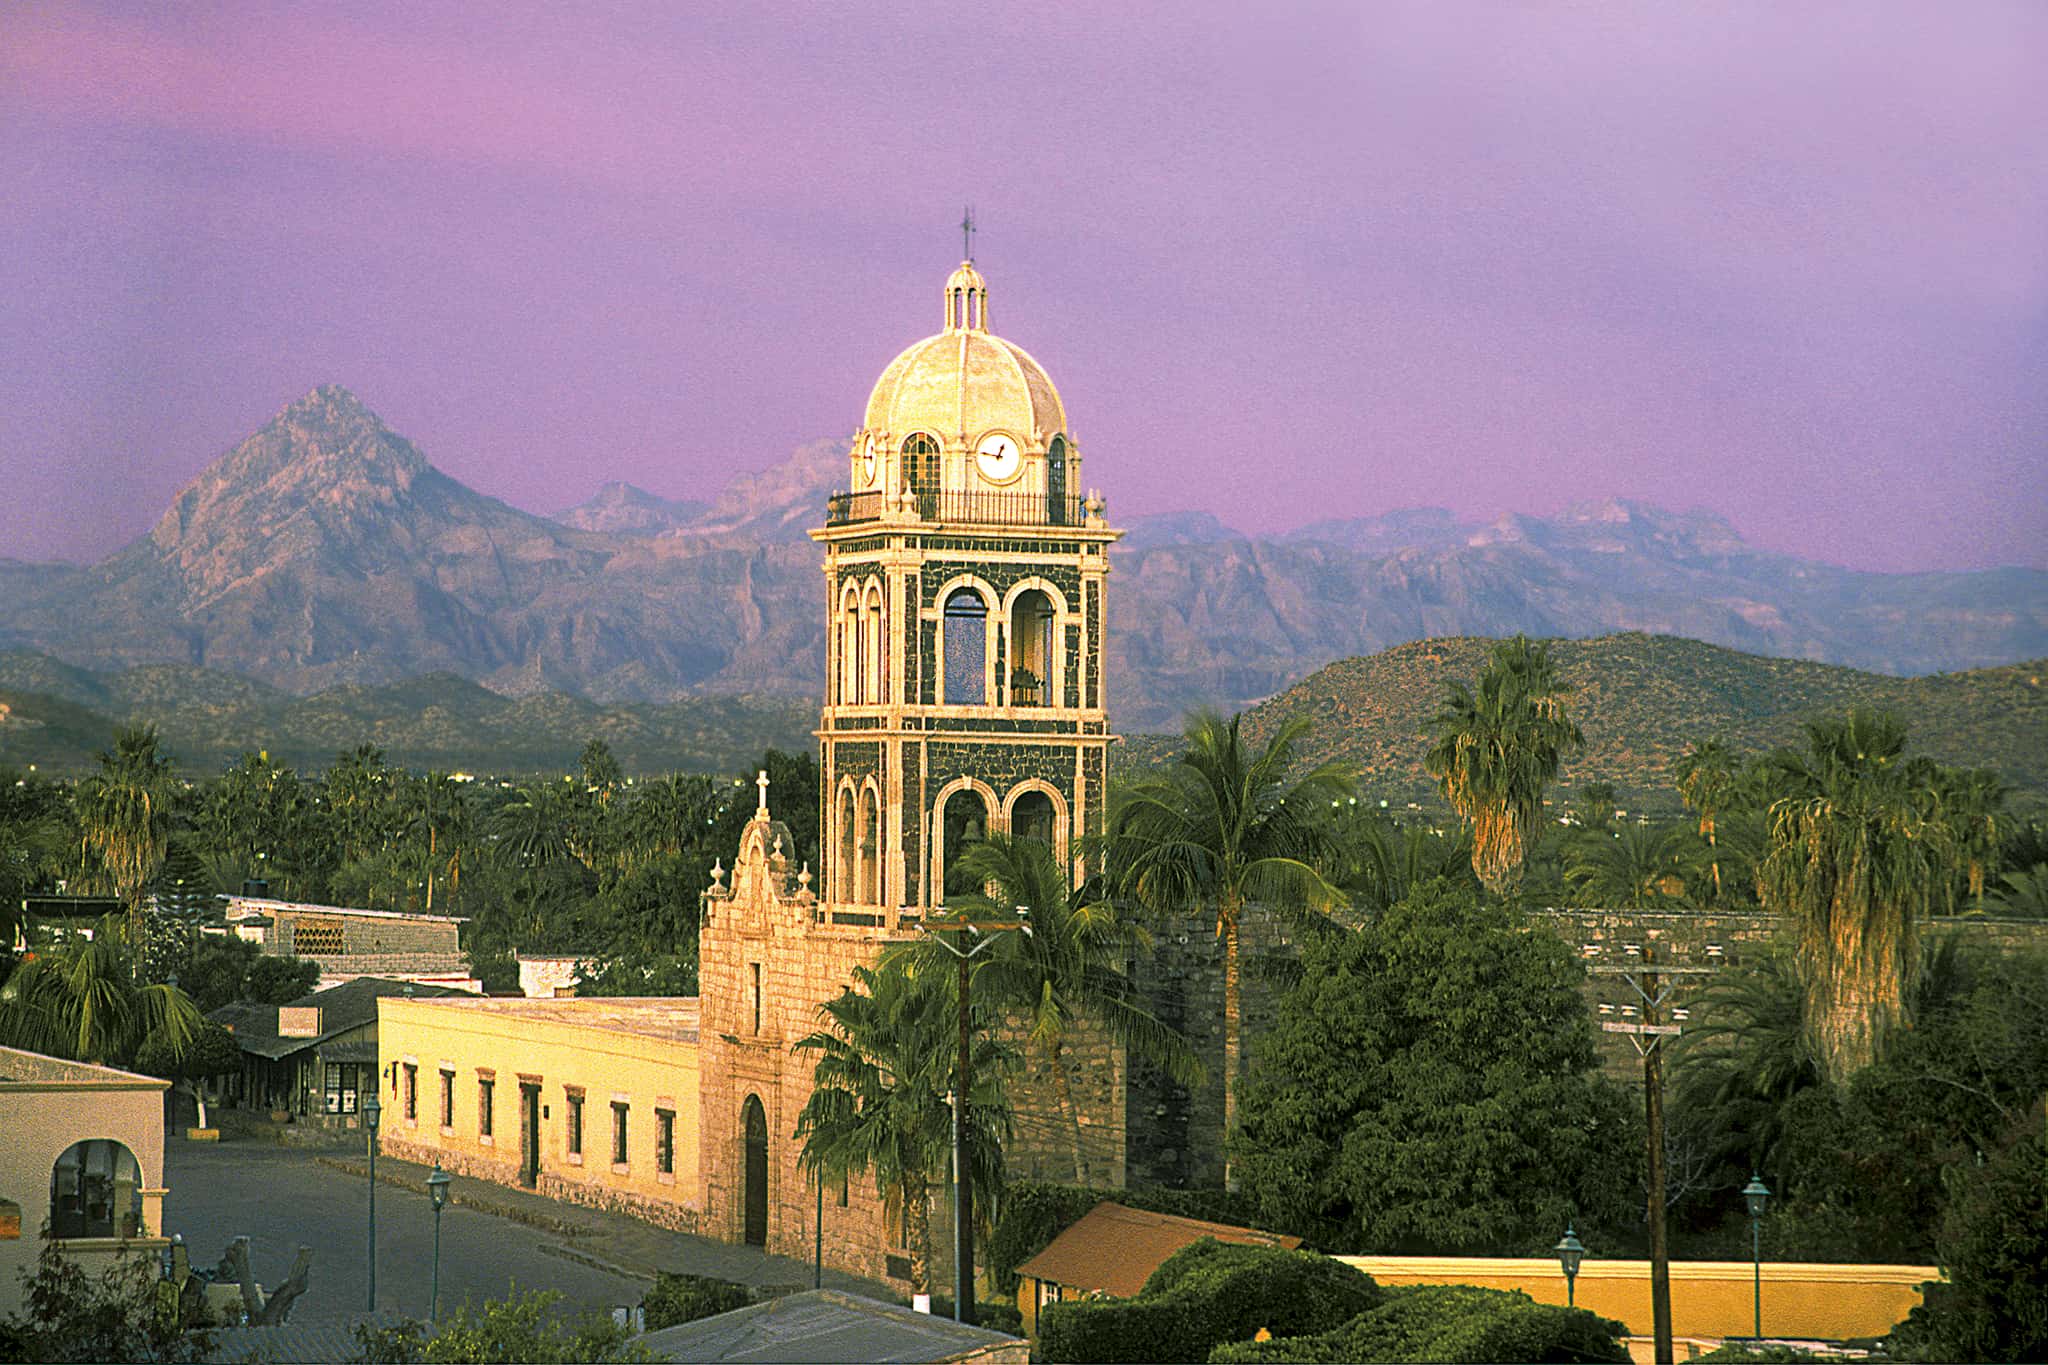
(998,458)
(867,460)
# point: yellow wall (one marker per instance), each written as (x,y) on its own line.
(534,1039)
(1708,1298)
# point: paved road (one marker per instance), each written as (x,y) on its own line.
(282,1199)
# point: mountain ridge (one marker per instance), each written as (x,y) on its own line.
(327,549)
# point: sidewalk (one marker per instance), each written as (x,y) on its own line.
(615,1241)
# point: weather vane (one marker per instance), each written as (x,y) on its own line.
(967,232)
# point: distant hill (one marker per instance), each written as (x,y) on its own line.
(1642,699)
(58,717)
(325,550)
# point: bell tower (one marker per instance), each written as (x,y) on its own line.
(964,579)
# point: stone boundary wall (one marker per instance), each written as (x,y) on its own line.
(661,1213)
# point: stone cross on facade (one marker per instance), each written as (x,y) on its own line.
(762,782)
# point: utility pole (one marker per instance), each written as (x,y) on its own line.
(963,1184)
(1646,978)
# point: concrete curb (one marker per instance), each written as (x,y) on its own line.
(467,1199)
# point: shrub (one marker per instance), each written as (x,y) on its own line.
(518,1327)
(685,1298)
(117,1312)
(1447,1322)
(994,1314)
(1203,1296)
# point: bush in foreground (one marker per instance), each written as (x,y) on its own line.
(1447,1322)
(685,1298)
(1204,1296)
(518,1327)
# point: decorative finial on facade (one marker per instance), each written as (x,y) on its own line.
(717,872)
(803,878)
(762,783)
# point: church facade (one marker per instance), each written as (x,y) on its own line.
(964,578)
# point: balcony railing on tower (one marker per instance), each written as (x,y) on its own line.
(993,507)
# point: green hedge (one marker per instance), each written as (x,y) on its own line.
(1036,1211)
(1447,1322)
(1203,1296)
(685,1298)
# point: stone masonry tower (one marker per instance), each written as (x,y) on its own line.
(964,579)
(964,582)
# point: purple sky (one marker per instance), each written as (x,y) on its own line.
(1788,263)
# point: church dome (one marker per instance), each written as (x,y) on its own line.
(966,380)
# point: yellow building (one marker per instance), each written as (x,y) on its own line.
(588,1100)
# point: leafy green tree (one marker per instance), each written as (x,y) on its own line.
(1856,859)
(1376,861)
(34,828)
(280,980)
(1994,1247)
(212,1052)
(884,1069)
(1226,827)
(115,1312)
(518,1327)
(1430,1087)
(1495,748)
(78,998)
(124,813)
(356,794)
(1067,969)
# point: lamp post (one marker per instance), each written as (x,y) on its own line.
(1758,1197)
(1570,1251)
(963,1193)
(372,1111)
(437,1191)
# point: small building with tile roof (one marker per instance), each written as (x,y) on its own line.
(1112,1250)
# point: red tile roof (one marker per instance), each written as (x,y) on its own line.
(1115,1250)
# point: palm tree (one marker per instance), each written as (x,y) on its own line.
(78,998)
(1226,828)
(124,814)
(2025,892)
(885,1060)
(1706,783)
(1971,800)
(1856,858)
(1067,967)
(1496,749)
(1632,868)
(1742,1058)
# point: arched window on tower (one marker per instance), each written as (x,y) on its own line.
(966,634)
(870,847)
(846,883)
(1031,623)
(1032,817)
(921,472)
(849,647)
(874,659)
(1056,482)
(963,820)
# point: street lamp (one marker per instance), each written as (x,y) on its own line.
(1758,1197)
(437,1191)
(1570,1251)
(963,1193)
(372,1111)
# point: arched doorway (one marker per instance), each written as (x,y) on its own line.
(96,1191)
(755,1215)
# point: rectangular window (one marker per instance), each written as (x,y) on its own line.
(664,1142)
(575,1106)
(485,1089)
(618,1133)
(333,1088)
(412,1093)
(757,997)
(447,1099)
